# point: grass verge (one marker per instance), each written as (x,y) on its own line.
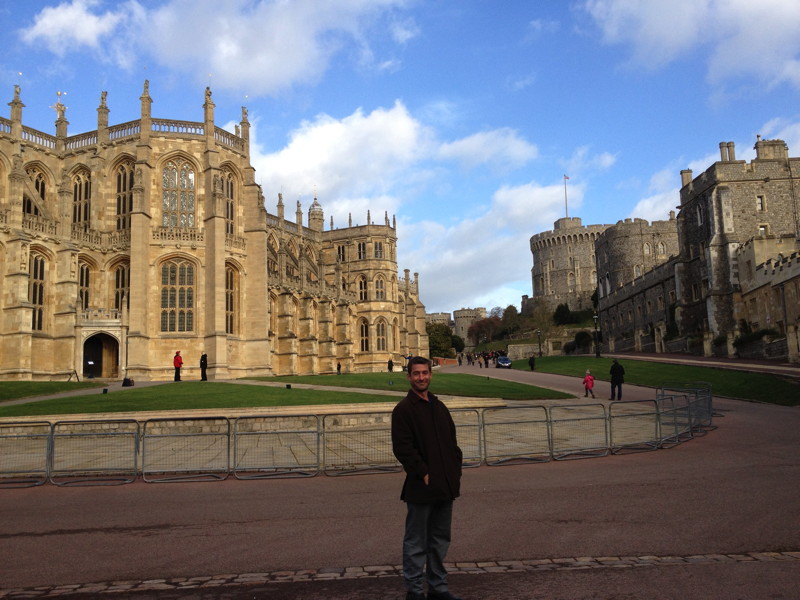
(762,387)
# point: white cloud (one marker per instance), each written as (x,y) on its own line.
(61,28)
(502,148)
(582,161)
(740,38)
(363,160)
(486,260)
(265,47)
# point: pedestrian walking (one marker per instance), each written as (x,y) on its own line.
(338,368)
(532,362)
(177,362)
(588,384)
(424,441)
(390,364)
(617,379)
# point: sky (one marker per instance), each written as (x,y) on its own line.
(476,123)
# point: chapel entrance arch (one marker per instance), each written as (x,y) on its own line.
(101,357)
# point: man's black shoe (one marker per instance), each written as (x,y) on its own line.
(432,595)
(414,596)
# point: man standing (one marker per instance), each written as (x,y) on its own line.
(203,366)
(532,362)
(617,373)
(424,441)
(177,362)
(390,365)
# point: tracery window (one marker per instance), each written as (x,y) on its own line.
(362,250)
(36,282)
(29,205)
(81,199)
(646,248)
(378,249)
(177,296)
(122,284)
(229,189)
(83,285)
(230,300)
(178,201)
(380,335)
(124,195)
(364,335)
(380,288)
(362,288)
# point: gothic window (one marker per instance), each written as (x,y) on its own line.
(36,290)
(177,296)
(230,300)
(594,278)
(341,253)
(122,284)
(83,285)
(637,271)
(380,335)
(177,194)
(30,206)
(571,282)
(380,289)
(81,199)
(662,249)
(230,203)
(647,248)
(395,335)
(363,327)
(362,288)
(378,249)
(124,195)
(362,250)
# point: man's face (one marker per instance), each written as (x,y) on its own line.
(420,378)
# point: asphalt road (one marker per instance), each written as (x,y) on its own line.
(731,492)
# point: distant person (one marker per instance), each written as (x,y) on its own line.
(338,368)
(617,379)
(424,441)
(588,384)
(390,364)
(177,362)
(532,362)
(203,366)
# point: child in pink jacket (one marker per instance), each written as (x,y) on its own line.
(588,384)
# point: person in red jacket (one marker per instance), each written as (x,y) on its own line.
(177,362)
(424,441)
(588,384)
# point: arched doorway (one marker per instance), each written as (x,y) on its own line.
(101,357)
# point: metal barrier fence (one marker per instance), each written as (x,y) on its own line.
(107,452)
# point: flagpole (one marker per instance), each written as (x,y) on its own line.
(566,207)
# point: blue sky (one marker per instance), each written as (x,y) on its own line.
(460,117)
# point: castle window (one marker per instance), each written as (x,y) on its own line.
(661,248)
(362,288)
(122,284)
(364,335)
(380,335)
(637,271)
(761,203)
(124,195)
(380,289)
(30,206)
(83,285)
(177,195)
(763,230)
(230,300)
(81,199)
(177,296)
(378,249)
(36,290)
(229,189)
(362,250)
(647,249)
(341,253)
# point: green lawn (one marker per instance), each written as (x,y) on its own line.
(774,389)
(449,384)
(11,390)
(195,394)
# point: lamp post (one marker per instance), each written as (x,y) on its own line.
(596,337)
(539,334)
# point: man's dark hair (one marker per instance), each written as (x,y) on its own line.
(419,360)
